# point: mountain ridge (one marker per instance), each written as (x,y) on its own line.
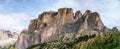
(63,23)
(7,37)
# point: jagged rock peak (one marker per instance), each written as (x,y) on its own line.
(50,25)
(65,11)
(63,16)
(87,12)
(78,15)
(7,37)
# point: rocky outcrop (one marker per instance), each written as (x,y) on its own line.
(114,29)
(91,21)
(64,23)
(7,38)
(5,34)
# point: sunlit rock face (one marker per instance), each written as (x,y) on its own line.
(7,38)
(50,25)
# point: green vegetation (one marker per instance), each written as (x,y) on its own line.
(8,47)
(108,42)
(111,41)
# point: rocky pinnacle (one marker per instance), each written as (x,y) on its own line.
(50,25)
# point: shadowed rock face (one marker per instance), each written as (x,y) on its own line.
(50,25)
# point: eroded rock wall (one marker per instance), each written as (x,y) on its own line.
(50,25)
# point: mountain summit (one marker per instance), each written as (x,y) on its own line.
(63,23)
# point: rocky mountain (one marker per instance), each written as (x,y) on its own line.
(63,23)
(7,38)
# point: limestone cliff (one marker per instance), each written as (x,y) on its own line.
(63,23)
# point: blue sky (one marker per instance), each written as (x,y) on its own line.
(16,14)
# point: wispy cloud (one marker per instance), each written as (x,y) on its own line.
(14,21)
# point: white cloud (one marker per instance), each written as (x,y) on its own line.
(14,21)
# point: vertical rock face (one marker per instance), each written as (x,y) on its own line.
(22,40)
(50,25)
(95,22)
(33,25)
(92,21)
(78,15)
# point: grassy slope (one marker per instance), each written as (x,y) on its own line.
(84,42)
